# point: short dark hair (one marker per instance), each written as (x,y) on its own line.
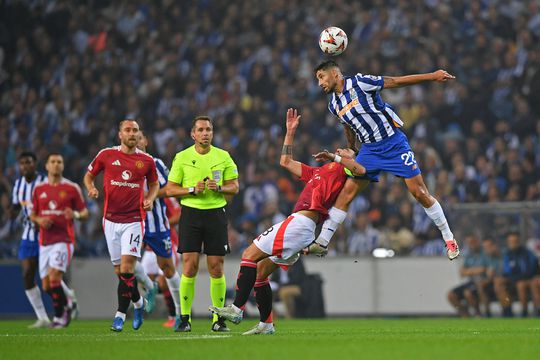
(123,121)
(201,117)
(325,65)
(26,154)
(54,153)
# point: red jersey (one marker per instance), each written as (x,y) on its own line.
(50,201)
(123,182)
(173,209)
(323,185)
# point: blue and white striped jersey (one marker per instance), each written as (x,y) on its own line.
(22,195)
(157,223)
(361,107)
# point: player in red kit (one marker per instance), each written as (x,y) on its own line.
(125,169)
(282,243)
(56,202)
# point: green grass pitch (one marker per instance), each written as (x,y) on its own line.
(331,339)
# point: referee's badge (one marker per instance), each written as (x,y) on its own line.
(353,93)
(216,175)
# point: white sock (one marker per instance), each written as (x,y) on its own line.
(263,325)
(70,294)
(436,214)
(141,276)
(139,303)
(335,218)
(120,315)
(34,296)
(174,287)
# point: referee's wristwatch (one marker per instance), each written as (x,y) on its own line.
(192,190)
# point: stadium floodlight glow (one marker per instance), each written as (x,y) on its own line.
(383,253)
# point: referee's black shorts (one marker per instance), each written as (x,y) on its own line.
(203,230)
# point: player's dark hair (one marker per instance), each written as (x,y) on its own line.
(325,65)
(201,117)
(26,154)
(123,121)
(54,153)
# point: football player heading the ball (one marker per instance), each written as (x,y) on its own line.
(357,103)
(281,244)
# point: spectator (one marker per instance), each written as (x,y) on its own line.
(473,270)
(519,267)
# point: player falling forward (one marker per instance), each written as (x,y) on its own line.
(125,170)
(157,233)
(356,101)
(56,202)
(281,244)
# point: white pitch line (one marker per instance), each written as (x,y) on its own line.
(131,338)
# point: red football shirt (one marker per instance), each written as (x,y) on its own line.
(323,185)
(173,209)
(51,201)
(123,182)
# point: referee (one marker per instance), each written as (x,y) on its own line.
(201,176)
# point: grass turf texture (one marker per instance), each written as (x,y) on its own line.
(433,339)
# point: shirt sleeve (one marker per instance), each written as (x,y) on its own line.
(370,83)
(14,197)
(176,174)
(35,202)
(231,170)
(307,172)
(151,174)
(162,173)
(96,166)
(78,199)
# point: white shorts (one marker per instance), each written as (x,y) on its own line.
(285,240)
(150,264)
(57,256)
(123,239)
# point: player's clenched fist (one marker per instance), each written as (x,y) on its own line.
(442,76)
(148,205)
(93,193)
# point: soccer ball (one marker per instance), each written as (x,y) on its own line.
(333,41)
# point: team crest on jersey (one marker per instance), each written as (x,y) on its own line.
(62,194)
(353,93)
(331,166)
(53,205)
(126,174)
(139,164)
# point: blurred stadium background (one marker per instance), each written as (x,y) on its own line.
(70,70)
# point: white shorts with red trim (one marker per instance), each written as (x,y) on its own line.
(57,256)
(286,239)
(123,239)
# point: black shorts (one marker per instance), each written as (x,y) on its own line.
(203,229)
(460,290)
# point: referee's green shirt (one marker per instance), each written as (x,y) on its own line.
(189,167)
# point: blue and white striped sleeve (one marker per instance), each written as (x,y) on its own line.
(163,173)
(370,83)
(14,194)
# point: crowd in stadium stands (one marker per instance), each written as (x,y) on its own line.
(71,70)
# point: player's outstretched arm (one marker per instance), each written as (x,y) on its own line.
(93,193)
(286,160)
(343,156)
(399,81)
